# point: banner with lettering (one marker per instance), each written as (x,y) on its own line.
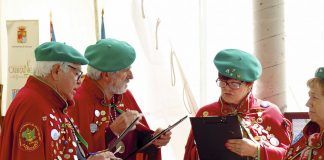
(23,38)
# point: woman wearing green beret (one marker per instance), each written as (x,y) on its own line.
(308,144)
(266,133)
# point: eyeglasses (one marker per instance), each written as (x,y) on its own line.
(79,72)
(232,85)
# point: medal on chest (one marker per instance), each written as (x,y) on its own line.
(63,146)
(258,132)
(104,114)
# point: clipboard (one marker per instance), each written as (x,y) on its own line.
(211,134)
(152,139)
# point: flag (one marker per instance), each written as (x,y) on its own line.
(52,29)
(103,33)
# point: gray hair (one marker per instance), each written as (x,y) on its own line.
(95,73)
(43,68)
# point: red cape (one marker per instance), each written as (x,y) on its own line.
(35,126)
(90,111)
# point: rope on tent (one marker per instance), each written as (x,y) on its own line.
(143,12)
(158,21)
(188,98)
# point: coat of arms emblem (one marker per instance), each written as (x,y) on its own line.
(22,34)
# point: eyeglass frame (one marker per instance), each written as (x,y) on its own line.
(218,81)
(79,72)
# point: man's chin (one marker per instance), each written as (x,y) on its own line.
(122,91)
(71,98)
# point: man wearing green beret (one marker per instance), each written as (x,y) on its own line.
(36,125)
(104,106)
(266,133)
(309,144)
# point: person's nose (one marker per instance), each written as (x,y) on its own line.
(130,75)
(308,103)
(79,81)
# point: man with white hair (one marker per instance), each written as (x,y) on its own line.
(36,125)
(105,108)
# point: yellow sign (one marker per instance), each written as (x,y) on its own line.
(23,38)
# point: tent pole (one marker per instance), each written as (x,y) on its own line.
(95,5)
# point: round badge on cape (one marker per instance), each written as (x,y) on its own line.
(264,104)
(67,156)
(274,141)
(97,113)
(205,113)
(103,112)
(93,127)
(55,134)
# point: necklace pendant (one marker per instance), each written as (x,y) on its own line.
(121,105)
(259,120)
(120,147)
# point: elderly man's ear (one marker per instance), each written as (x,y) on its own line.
(105,76)
(55,72)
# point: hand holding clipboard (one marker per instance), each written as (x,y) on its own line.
(155,137)
(119,139)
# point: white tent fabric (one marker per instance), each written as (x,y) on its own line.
(158,39)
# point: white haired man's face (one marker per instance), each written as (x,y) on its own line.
(69,81)
(120,80)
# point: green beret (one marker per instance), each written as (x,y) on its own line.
(320,73)
(56,51)
(237,64)
(110,55)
